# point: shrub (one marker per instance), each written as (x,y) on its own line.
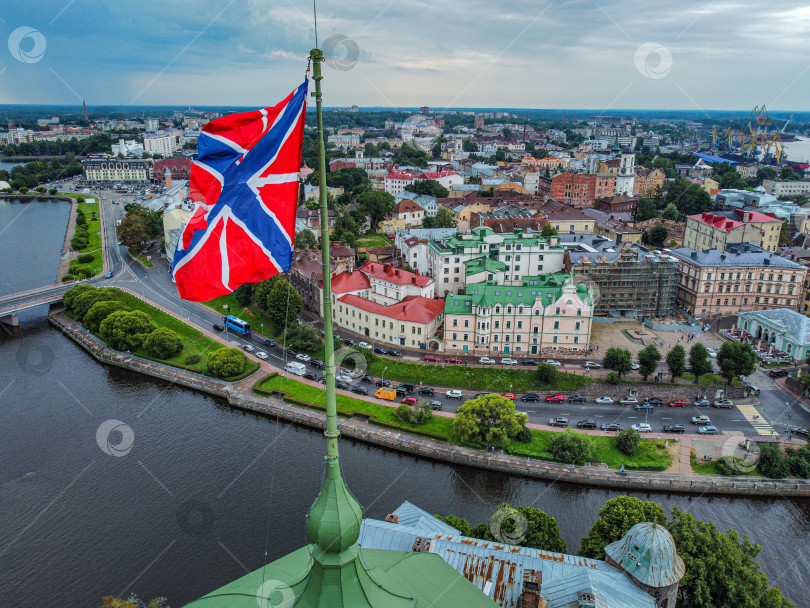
(193,359)
(772,462)
(78,242)
(613,378)
(82,303)
(403,412)
(571,448)
(126,330)
(799,461)
(628,441)
(100,311)
(163,343)
(41,189)
(23,190)
(226,362)
(86,258)
(52,191)
(68,277)
(546,374)
(524,435)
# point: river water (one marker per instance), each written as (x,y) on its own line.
(206,491)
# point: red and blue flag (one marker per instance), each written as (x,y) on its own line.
(244,181)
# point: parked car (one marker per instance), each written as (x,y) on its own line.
(481,395)
(528,362)
(509,361)
(380,351)
(554,398)
(310,376)
(628,401)
(611,426)
(303,357)
(654,401)
(674,428)
(604,400)
(427,390)
(402,391)
(778,373)
(452,360)
(343,378)
(454,394)
(432,358)
(360,390)
(410,401)
(109,275)
(635,366)
(553,362)
(577,399)
(677,403)
(707,430)
(723,403)
(436,405)
(219,327)
(641,427)
(382,383)
(349,342)
(593,365)
(248,347)
(364,345)
(261,355)
(646,407)
(559,421)
(409,386)
(586,424)
(269,341)
(703,419)
(486,361)
(317,363)
(530,397)
(701,402)
(508,396)
(393,352)
(367,378)
(341,384)
(712,352)
(799,432)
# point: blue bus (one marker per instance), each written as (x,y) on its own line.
(237,325)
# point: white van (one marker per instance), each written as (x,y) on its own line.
(299,369)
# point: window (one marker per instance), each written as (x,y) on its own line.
(557,311)
(579,313)
(556,325)
(576,325)
(454,335)
(497,324)
(555,340)
(466,323)
(520,324)
(509,325)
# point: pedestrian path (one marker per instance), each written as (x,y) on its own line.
(759,423)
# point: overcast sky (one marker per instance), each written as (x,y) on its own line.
(600,54)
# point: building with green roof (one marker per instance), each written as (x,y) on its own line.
(517,254)
(542,315)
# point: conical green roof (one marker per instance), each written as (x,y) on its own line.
(334,519)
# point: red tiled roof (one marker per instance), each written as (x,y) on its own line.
(415,309)
(716,221)
(755,216)
(398,175)
(406,205)
(567,215)
(354,281)
(435,174)
(386,272)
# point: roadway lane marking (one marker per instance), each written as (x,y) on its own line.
(759,424)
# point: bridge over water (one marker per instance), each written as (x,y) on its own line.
(13,303)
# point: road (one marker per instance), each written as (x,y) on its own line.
(776,408)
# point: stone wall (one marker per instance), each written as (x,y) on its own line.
(665,391)
(360,429)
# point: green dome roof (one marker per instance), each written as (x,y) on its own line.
(647,553)
(334,519)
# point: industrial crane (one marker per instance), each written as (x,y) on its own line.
(761,114)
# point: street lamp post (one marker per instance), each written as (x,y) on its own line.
(382,376)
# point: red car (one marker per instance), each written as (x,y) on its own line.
(508,396)
(452,360)
(410,401)
(551,398)
(432,358)
(677,403)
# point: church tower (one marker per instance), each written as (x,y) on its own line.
(627,173)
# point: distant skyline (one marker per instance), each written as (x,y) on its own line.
(581,54)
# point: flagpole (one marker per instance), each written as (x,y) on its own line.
(331,433)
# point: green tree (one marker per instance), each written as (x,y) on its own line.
(721,569)
(736,359)
(429,186)
(689,198)
(304,239)
(546,374)
(541,532)
(263,289)
(100,311)
(648,358)
(283,304)
(377,205)
(507,132)
(699,363)
(488,420)
(243,294)
(134,231)
(548,231)
(304,337)
(226,362)
(444,218)
(671,213)
(73,293)
(462,525)
(772,462)
(571,447)
(615,520)
(83,302)
(628,441)
(345,228)
(371,150)
(619,360)
(645,210)
(784,233)
(655,236)
(163,343)
(469,145)
(125,330)
(676,361)
(788,174)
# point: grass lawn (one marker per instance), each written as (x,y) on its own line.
(140,257)
(475,378)
(196,345)
(255,317)
(94,239)
(373,239)
(710,468)
(709,379)
(649,457)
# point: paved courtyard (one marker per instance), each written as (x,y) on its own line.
(634,336)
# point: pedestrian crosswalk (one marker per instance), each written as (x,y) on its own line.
(756,419)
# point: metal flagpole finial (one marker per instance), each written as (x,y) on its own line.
(315,16)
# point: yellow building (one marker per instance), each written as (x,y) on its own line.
(649,181)
(719,229)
